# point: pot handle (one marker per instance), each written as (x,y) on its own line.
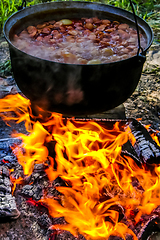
(137,28)
(23,5)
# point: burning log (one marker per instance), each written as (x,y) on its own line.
(8,208)
(128,150)
(146,148)
(152,225)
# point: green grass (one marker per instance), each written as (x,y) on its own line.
(143,8)
(7,7)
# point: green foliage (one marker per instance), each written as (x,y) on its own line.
(143,8)
(7,7)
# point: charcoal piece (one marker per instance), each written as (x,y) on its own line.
(32,191)
(39,168)
(158,135)
(4,172)
(44,221)
(65,235)
(59,220)
(119,209)
(18,171)
(115,238)
(36,176)
(8,208)
(7,142)
(59,182)
(53,192)
(7,158)
(137,185)
(128,150)
(4,145)
(81,237)
(38,193)
(52,234)
(152,225)
(5,184)
(127,237)
(146,148)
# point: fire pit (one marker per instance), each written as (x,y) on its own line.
(106,171)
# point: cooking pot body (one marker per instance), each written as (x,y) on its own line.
(73,89)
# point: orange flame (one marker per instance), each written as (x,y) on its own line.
(155,138)
(19,106)
(99,181)
(153,135)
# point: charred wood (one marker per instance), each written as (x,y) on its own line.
(152,225)
(125,153)
(65,235)
(146,148)
(128,150)
(127,237)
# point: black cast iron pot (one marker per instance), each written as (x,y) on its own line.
(69,88)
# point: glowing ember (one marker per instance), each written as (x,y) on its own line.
(99,181)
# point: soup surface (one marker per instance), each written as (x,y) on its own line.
(80,41)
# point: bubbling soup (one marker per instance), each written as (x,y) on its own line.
(80,41)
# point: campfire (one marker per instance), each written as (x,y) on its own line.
(103,175)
